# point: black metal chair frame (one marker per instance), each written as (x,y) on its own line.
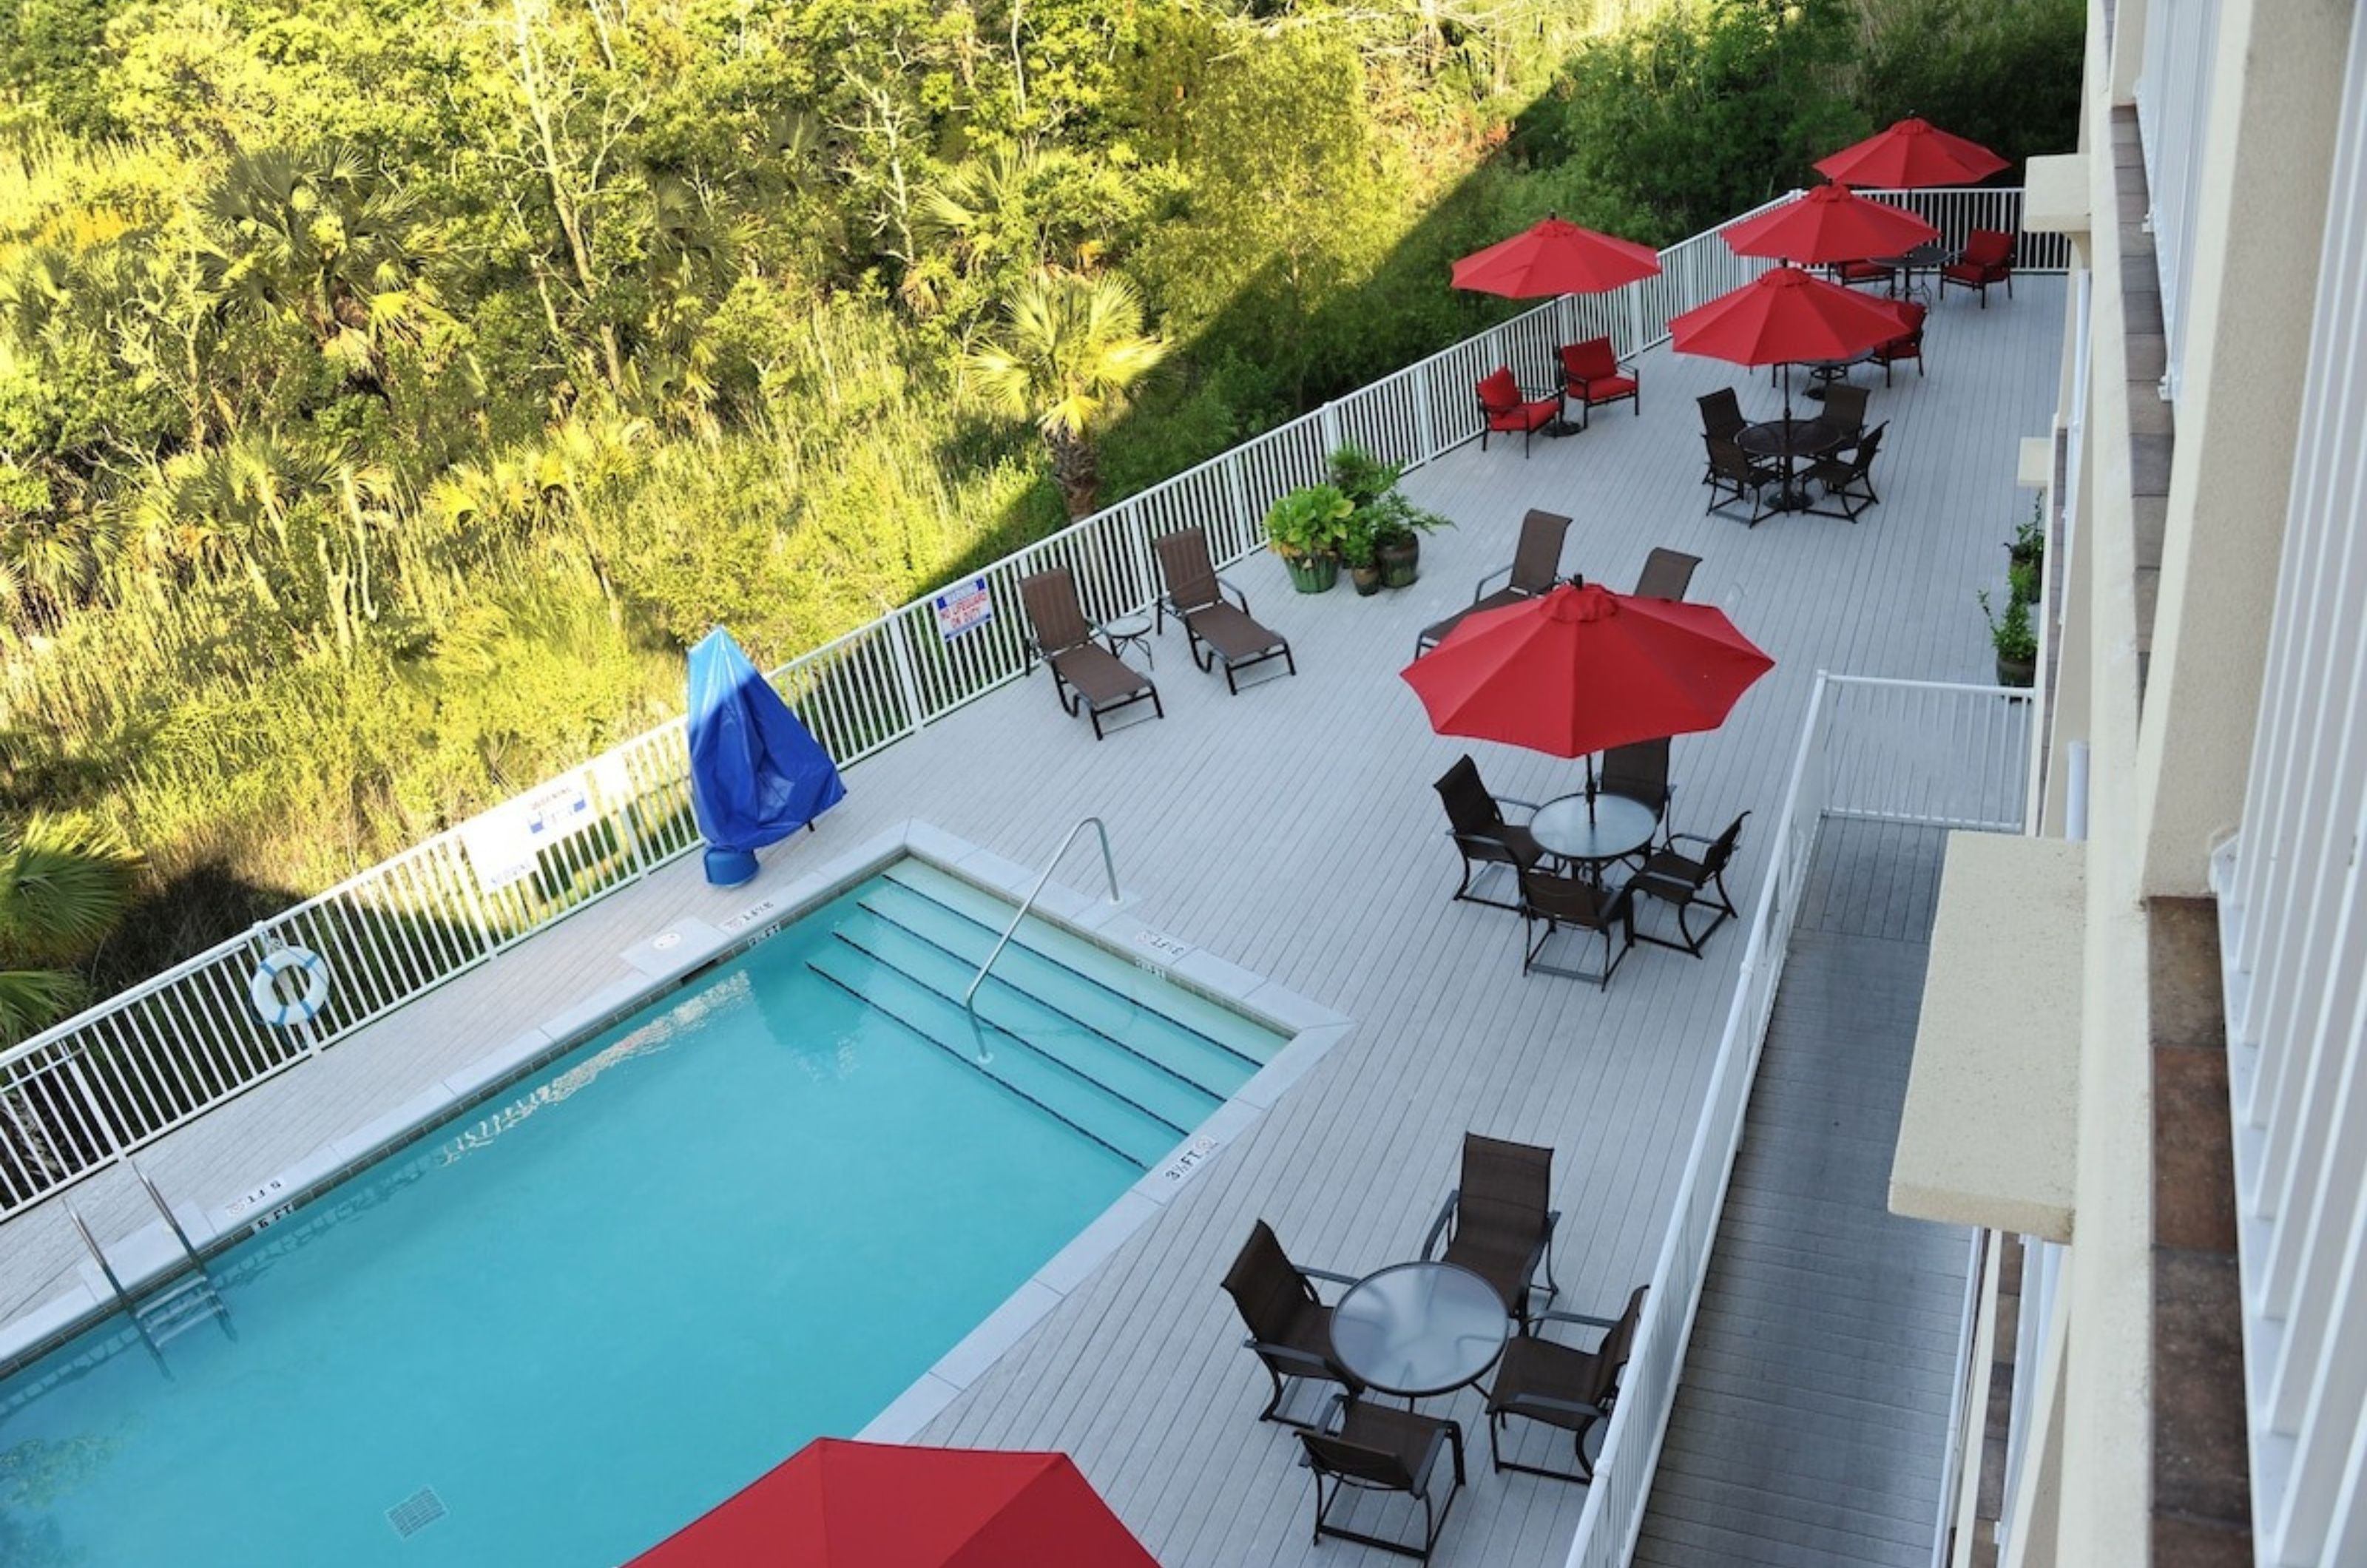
(1619,913)
(1721,482)
(1413,1483)
(1316,1369)
(1482,853)
(1521,1404)
(1441,1230)
(1686,895)
(1855,471)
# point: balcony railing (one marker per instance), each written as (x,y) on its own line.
(1891,750)
(102,1084)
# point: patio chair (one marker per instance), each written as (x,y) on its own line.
(1220,629)
(1673,877)
(1845,406)
(1377,1449)
(1560,1385)
(1495,1222)
(1721,414)
(1667,574)
(1554,900)
(1589,373)
(1850,274)
(1290,1328)
(1735,475)
(1639,773)
(1503,408)
(1907,345)
(1083,671)
(1987,258)
(1847,477)
(1476,822)
(1536,567)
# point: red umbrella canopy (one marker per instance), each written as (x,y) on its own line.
(1911,153)
(1555,258)
(845,1504)
(1785,315)
(1582,670)
(1830,223)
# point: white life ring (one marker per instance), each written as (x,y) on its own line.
(263,989)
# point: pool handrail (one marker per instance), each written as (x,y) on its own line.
(1109,869)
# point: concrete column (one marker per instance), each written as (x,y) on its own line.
(2260,216)
(2126,62)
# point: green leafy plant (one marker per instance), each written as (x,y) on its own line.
(1315,519)
(2010,633)
(1382,512)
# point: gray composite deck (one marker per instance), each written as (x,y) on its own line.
(1810,1427)
(1292,830)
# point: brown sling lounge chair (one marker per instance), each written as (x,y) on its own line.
(1672,877)
(1500,1228)
(1379,1449)
(1474,820)
(1220,629)
(1536,567)
(1562,1386)
(1083,671)
(1667,574)
(1290,1328)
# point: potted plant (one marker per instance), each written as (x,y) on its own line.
(1307,528)
(1395,523)
(2016,643)
(2026,552)
(1359,549)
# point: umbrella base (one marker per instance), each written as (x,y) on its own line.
(728,868)
(1560,427)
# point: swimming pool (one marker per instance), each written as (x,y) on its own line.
(580,1313)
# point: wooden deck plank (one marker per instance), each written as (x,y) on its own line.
(1293,831)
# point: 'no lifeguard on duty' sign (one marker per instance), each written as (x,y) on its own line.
(963,607)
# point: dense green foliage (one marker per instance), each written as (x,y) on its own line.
(390,389)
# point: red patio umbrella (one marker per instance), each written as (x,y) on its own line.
(1785,316)
(1911,153)
(845,1504)
(1830,223)
(1555,256)
(1578,671)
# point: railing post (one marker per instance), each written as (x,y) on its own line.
(1236,488)
(1635,318)
(906,677)
(1425,423)
(1329,422)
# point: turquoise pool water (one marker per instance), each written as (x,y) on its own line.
(582,1313)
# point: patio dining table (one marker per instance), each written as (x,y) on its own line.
(1590,835)
(1789,440)
(1919,259)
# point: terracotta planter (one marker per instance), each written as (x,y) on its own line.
(1400,561)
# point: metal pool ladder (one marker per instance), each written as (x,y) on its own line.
(1109,869)
(188,1300)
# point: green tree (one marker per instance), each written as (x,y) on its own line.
(63,888)
(1072,352)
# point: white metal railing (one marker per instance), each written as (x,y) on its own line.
(2292,905)
(83,1094)
(1853,721)
(2173,125)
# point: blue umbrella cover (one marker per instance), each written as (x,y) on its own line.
(756,775)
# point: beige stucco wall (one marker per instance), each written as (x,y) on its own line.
(2261,218)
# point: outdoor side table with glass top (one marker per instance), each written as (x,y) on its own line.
(1417,1329)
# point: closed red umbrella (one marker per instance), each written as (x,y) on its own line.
(1830,223)
(1911,153)
(1580,670)
(845,1504)
(1555,256)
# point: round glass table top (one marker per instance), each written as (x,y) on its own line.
(1420,1328)
(1616,826)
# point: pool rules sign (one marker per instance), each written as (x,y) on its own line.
(966,606)
(505,843)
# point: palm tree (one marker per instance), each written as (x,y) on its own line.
(1072,351)
(62,887)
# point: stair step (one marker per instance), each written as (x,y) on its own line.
(1129,995)
(1092,1109)
(1149,1082)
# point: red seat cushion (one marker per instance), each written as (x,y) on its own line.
(1604,388)
(1524,416)
(1499,394)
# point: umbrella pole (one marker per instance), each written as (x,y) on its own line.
(1590,789)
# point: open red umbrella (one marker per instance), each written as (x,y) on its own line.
(1911,153)
(1830,223)
(1578,671)
(1555,256)
(1785,316)
(845,1504)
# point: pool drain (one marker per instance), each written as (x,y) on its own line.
(416,1512)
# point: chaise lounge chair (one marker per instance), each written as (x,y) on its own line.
(1083,671)
(1220,629)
